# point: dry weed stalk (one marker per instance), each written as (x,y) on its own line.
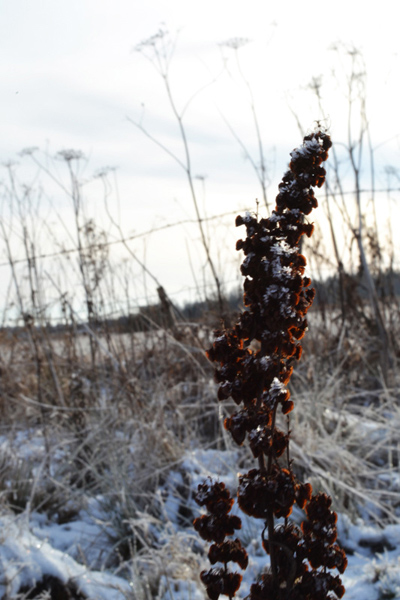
(277,296)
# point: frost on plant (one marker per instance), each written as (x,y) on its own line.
(277,296)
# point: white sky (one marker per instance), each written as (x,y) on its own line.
(69,79)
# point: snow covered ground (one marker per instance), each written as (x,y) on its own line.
(37,548)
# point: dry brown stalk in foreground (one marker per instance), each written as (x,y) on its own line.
(277,296)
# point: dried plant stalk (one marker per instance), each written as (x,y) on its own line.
(277,296)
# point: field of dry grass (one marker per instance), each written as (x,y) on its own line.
(77,433)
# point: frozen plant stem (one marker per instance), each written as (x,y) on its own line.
(159,49)
(277,296)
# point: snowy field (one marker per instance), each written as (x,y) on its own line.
(38,546)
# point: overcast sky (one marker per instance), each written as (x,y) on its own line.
(70,78)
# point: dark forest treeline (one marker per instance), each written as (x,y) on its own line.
(351,292)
